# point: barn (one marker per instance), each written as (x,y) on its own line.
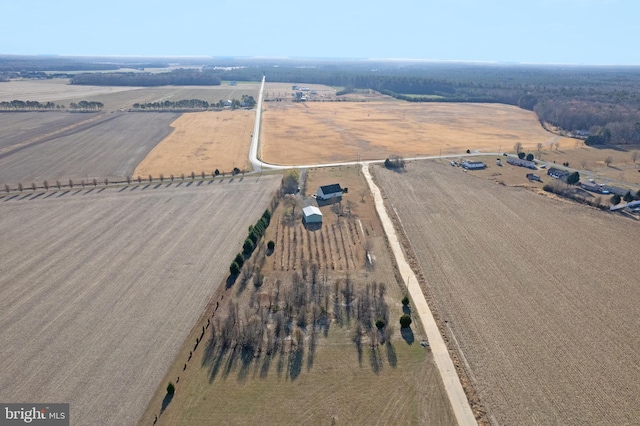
(311,214)
(327,192)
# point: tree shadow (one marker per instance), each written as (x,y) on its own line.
(157,186)
(375,360)
(392,357)
(166,401)
(36,196)
(123,188)
(231,280)
(100,190)
(313,343)
(63,193)
(189,184)
(264,368)
(295,362)
(134,188)
(407,335)
(199,183)
(406,309)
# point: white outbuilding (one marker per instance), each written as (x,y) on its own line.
(311,214)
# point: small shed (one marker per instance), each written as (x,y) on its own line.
(311,214)
(327,192)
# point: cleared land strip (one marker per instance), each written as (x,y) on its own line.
(457,397)
(541,295)
(98,290)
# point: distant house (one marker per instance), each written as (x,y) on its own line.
(615,190)
(228,103)
(474,165)
(327,192)
(531,176)
(590,186)
(233,83)
(557,173)
(522,163)
(311,214)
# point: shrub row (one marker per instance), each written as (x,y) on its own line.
(255,232)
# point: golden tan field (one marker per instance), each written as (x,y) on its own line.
(321,132)
(540,295)
(317,376)
(202,142)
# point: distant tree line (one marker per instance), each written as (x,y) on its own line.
(180,77)
(17,105)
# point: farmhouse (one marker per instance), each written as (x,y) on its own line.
(522,163)
(474,165)
(557,173)
(311,214)
(327,192)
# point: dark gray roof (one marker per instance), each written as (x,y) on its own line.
(330,189)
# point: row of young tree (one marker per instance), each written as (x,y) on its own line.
(246,101)
(17,105)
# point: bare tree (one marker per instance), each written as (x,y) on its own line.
(202,174)
(82,183)
(193,176)
(172,177)
(539,146)
(106,181)
(33,186)
(128,180)
(70,183)
(58,184)
(557,146)
(95,182)
(150,179)
(139,179)
(349,207)
(20,186)
(608,160)
(45,184)
(181,176)
(517,147)
(583,163)
(161,178)
(634,156)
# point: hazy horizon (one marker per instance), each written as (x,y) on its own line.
(566,32)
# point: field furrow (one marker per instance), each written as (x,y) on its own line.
(102,287)
(539,294)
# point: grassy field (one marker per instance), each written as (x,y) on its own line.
(317,132)
(540,294)
(315,373)
(102,146)
(202,141)
(99,287)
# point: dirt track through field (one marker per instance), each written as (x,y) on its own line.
(541,295)
(99,287)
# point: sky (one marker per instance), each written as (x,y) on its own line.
(585,32)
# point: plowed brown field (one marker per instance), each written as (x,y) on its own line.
(323,132)
(541,295)
(98,288)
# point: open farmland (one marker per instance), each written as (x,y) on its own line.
(317,377)
(99,287)
(25,127)
(202,141)
(116,97)
(110,145)
(540,295)
(317,132)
